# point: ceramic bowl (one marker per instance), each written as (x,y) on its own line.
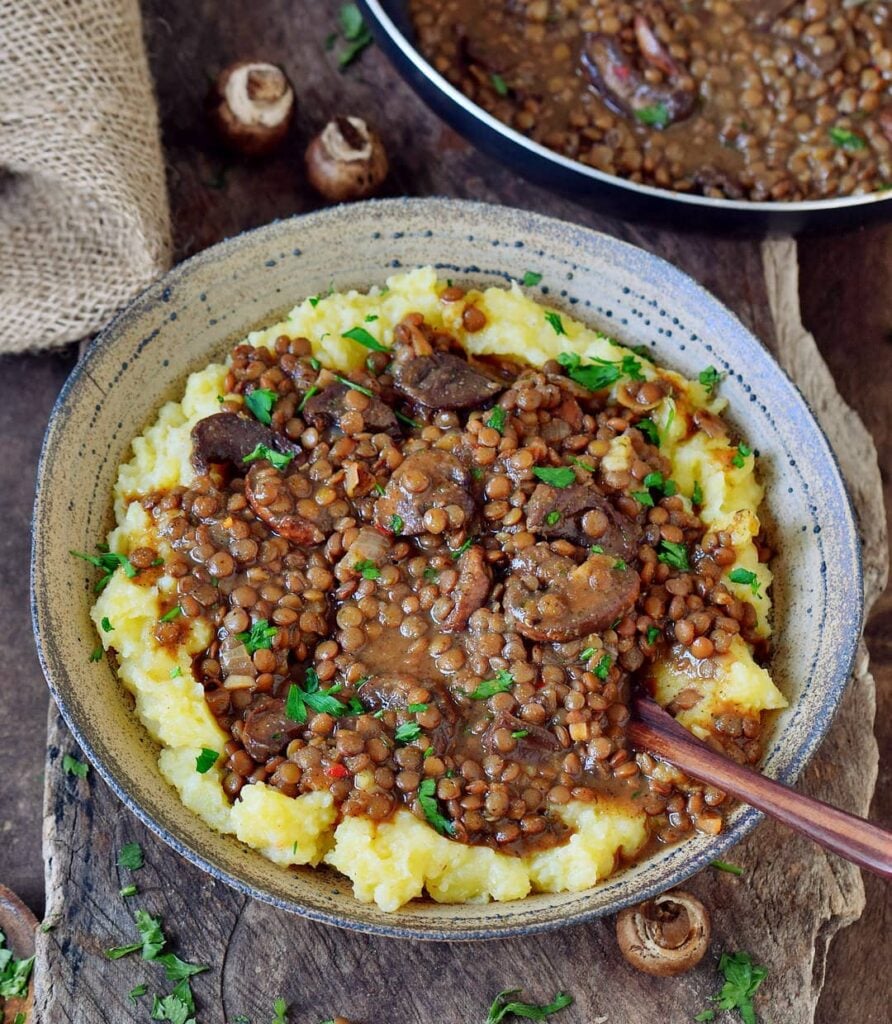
(196,312)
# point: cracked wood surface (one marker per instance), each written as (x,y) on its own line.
(792,899)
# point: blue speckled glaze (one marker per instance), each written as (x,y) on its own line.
(142,359)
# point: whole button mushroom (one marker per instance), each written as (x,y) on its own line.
(664,936)
(251,105)
(346,160)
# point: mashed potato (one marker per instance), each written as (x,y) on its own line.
(395,861)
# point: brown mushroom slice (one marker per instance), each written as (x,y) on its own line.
(551,598)
(391,693)
(625,88)
(426,480)
(471,591)
(326,408)
(228,437)
(266,729)
(286,505)
(664,936)
(582,514)
(444,381)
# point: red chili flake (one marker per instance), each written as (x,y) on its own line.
(336,771)
(620,70)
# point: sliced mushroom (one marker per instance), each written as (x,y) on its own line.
(664,936)
(251,105)
(346,160)
(550,597)
(286,505)
(266,729)
(471,591)
(581,514)
(444,381)
(228,437)
(424,481)
(327,407)
(624,87)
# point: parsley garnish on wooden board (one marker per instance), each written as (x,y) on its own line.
(130,857)
(503,1006)
(355,32)
(742,979)
(71,766)
(260,403)
(14,974)
(280,1008)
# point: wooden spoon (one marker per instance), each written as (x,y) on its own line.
(851,837)
(19,926)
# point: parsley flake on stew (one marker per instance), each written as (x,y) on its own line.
(278,460)
(363,337)
(260,403)
(259,637)
(555,476)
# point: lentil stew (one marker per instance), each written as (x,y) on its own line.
(767,101)
(432,584)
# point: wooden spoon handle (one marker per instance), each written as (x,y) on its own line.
(851,837)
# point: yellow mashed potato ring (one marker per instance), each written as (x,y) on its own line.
(393,862)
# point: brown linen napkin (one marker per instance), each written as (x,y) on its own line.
(84,220)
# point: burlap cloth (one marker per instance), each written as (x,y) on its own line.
(84,221)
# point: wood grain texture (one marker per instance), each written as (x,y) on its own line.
(792,899)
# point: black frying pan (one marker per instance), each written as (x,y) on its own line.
(389,21)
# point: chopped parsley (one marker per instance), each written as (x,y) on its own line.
(427,798)
(260,403)
(206,760)
(499,84)
(356,387)
(107,561)
(378,489)
(599,374)
(175,673)
(657,485)
(462,548)
(740,454)
(620,565)
(178,1007)
(555,476)
(407,732)
(742,979)
(477,472)
(747,578)
(396,524)
(96,653)
(502,683)
(503,1006)
(709,378)
(697,494)
(530,279)
(14,974)
(587,654)
(128,890)
(654,116)
(649,429)
(355,32)
(519,734)
(553,518)
(362,336)
(259,637)
(278,460)
(174,613)
(318,700)
(653,634)
(497,419)
(137,991)
(557,325)
(602,669)
(431,574)
(596,549)
(280,1008)
(367,569)
(723,865)
(308,394)
(71,766)
(107,627)
(582,465)
(371,318)
(643,498)
(417,709)
(130,857)
(845,139)
(674,555)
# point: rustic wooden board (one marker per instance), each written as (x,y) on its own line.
(792,899)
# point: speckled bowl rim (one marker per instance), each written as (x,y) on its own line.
(748,818)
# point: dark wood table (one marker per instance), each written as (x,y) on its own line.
(846,295)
